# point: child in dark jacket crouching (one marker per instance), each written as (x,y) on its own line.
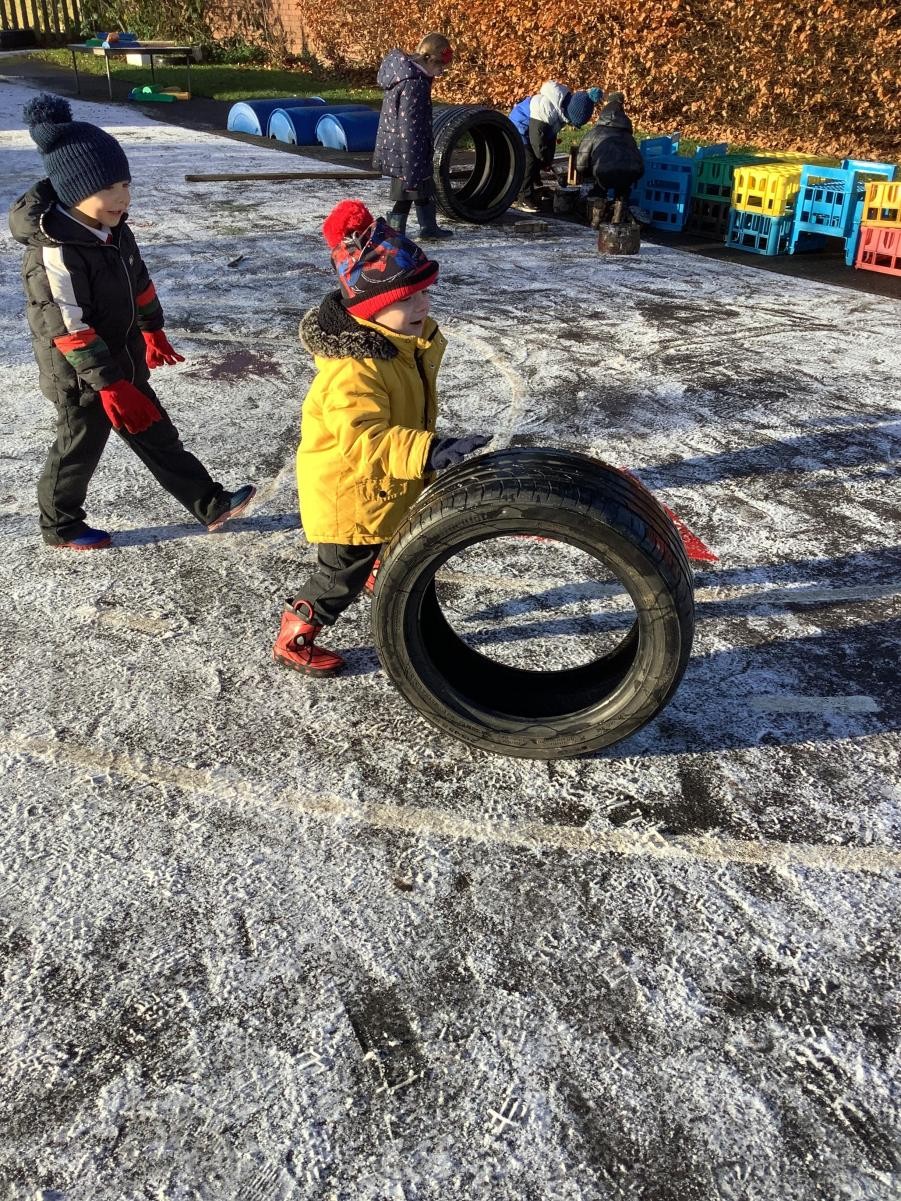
(404,145)
(367,433)
(608,155)
(97,330)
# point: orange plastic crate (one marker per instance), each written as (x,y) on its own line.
(882,203)
(880,249)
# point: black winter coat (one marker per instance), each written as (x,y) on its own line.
(610,149)
(87,302)
(403,144)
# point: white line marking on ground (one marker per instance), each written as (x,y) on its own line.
(813,704)
(439,823)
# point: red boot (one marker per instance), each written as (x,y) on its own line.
(294,645)
(370,582)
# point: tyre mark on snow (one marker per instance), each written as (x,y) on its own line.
(519,388)
(783,703)
(439,823)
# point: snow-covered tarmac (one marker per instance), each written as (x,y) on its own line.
(268,939)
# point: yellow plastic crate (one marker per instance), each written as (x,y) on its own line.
(882,203)
(769,189)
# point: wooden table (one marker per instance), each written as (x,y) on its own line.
(152,49)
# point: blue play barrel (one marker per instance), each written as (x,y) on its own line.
(298,125)
(348,131)
(251,116)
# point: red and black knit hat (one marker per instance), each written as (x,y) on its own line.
(376,265)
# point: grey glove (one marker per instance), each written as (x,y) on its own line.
(447,452)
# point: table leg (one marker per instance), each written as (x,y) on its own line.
(152,69)
(109,78)
(75,69)
(188,65)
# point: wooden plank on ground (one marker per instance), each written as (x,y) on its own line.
(243,177)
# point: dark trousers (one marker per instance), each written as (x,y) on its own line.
(340,576)
(403,198)
(81,435)
(620,182)
(539,148)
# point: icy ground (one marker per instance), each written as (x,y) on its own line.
(266,939)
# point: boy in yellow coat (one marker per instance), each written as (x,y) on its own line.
(367,432)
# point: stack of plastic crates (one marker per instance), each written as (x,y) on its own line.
(762,213)
(879,246)
(711,196)
(830,201)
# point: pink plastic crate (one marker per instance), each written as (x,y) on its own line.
(880,249)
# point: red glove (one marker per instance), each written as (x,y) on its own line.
(159,351)
(126,405)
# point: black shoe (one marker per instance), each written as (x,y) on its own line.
(237,503)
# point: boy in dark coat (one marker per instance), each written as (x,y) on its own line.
(539,119)
(403,144)
(609,154)
(97,329)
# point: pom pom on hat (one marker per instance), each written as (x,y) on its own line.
(595,95)
(42,114)
(347,218)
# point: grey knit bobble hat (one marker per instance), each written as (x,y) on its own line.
(79,158)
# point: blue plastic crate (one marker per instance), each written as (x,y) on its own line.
(666,209)
(659,147)
(853,235)
(759,234)
(887,170)
(664,192)
(712,151)
(830,199)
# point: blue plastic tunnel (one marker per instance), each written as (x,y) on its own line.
(252,116)
(298,125)
(348,131)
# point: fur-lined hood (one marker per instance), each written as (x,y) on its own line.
(330,332)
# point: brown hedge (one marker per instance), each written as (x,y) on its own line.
(810,75)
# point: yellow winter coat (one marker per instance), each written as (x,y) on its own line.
(367,425)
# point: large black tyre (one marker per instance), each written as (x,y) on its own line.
(508,710)
(498,168)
